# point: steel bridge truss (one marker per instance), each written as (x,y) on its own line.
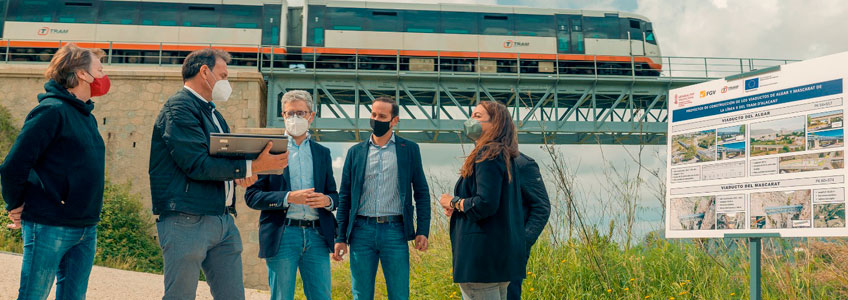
(546,109)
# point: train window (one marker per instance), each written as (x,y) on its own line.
(160,14)
(459,23)
(384,21)
(577,42)
(118,12)
(421,21)
(343,18)
(634,27)
(649,34)
(602,28)
(33,10)
(76,12)
(200,15)
(315,25)
(535,25)
(563,42)
(495,24)
(242,16)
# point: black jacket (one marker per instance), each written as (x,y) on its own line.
(183,176)
(412,185)
(487,238)
(534,199)
(268,193)
(56,166)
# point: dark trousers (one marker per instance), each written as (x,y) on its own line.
(513,292)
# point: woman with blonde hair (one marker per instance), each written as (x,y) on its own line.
(486,218)
(52,179)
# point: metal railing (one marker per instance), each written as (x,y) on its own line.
(310,59)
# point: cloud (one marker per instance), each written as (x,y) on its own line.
(790,29)
(338,163)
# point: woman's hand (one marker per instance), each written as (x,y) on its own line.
(15,216)
(445,201)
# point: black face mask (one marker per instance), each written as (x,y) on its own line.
(380,128)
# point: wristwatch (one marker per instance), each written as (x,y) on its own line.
(454,201)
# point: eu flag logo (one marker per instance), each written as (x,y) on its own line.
(751,84)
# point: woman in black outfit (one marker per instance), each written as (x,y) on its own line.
(486,225)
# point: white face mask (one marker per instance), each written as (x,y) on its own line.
(221,91)
(296,126)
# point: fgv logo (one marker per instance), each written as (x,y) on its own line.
(751,84)
(43,30)
(707,93)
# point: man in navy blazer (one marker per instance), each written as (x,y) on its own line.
(296,226)
(380,180)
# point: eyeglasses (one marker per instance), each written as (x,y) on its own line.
(299,113)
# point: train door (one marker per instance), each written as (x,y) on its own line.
(271,19)
(570,34)
(633,29)
(3,4)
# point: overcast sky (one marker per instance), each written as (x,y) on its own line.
(790,29)
(785,29)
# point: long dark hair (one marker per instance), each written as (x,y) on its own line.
(500,140)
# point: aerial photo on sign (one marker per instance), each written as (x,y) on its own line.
(694,147)
(778,136)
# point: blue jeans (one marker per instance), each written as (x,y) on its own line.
(385,243)
(302,248)
(190,243)
(60,252)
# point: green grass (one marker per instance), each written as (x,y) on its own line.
(655,269)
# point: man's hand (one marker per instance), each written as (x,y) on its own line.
(421,243)
(300,197)
(268,162)
(15,216)
(247,181)
(340,251)
(317,200)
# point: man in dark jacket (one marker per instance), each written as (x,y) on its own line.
(297,226)
(537,209)
(380,180)
(194,193)
(53,177)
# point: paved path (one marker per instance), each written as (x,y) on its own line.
(105,283)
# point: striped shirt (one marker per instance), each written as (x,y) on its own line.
(380,196)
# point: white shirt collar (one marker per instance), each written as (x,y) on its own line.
(196,94)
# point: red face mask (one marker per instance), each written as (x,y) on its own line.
(100,86)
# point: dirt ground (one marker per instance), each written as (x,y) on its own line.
(106,283)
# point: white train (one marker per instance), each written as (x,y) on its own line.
(338,34)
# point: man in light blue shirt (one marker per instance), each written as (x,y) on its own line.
(297,227)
